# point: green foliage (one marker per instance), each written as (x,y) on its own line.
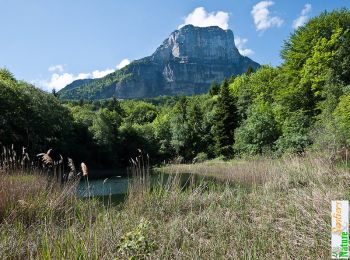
(299,47)
(31,117)
(162,133)
(295,133)
(6,75)
(225,122)
(141,113)
(257,86)
(105,126)
(342,118)
(201,157)
(258,132)
(97,88)
(137,244)
(250,70)
(214,88)
(180,128)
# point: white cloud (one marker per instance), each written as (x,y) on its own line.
(101,73)
(303,18)
(59,79)
(201,18)
(58,68)
(262,18)
(240,44)
(123,63)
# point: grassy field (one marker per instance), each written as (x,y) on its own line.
(264,209)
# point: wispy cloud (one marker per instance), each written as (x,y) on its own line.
(262,17)
(304,16)
(56,68)
(240,44)
(59,79)
(201,18)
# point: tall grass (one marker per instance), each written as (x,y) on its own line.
(284,214)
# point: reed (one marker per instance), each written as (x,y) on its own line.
(23,180)
(140,182)
(283,214)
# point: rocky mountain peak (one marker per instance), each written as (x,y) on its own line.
(192,43)
(185,63)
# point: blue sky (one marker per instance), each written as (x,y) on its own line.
(50,43)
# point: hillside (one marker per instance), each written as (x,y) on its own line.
(185,63)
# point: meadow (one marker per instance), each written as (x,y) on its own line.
(260,209)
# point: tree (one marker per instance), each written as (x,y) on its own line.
(214,88)
(114,105)
(225,122)
(295,133)
(180,128)
(258,132)
(54,93)
(105,127)
(196,130)
(249,71)
(31,117)
(142,113)
(7,75)
(232,79)
(342,118)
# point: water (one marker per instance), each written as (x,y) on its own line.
(115,188)
(112,189)
(99,187)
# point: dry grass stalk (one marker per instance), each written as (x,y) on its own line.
(139,184)
(84,169)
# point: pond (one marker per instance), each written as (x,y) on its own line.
(115,188)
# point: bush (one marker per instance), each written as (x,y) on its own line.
(136,244)
(201,157)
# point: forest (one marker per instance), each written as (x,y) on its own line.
(303,104)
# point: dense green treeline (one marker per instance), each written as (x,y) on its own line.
(31,117)
(302,104)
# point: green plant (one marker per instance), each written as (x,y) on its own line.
(136,244)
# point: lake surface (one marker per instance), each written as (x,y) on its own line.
(115,188)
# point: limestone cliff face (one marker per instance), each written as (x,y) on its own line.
(186,63)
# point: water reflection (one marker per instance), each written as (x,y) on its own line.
(98,187)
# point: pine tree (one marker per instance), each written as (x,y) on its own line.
(214,88)
(250,70)
(232,79)
(114,105)
(54,93)
(225,122)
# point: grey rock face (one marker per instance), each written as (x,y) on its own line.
(186,63)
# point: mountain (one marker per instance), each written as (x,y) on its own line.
(77,83)
(186,63)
